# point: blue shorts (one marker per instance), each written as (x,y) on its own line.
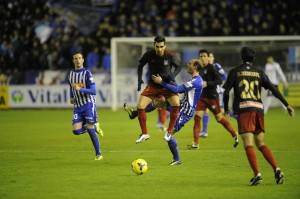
(88,116)
(181,120)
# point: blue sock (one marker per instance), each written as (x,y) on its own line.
(232,115)
(150,107)
(205,122)
(80,131)
(173,148)
(95,140)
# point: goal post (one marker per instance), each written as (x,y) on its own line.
(125,53)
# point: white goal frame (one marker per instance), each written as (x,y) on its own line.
(144,41)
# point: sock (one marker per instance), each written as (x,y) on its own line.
(173,148)
(95,140)
(205,122)
(173,117)
(142,119)
(150,107)
(228,127)
(80,131)
(252,159)
(197,127)
(268,156)
(162,115)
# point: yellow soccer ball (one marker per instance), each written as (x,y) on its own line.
(139,166)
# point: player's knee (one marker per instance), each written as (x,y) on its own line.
(219,117)
(197,118)
(89,126)
(77,132)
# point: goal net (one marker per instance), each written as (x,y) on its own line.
(125,53)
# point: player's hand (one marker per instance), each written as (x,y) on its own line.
(72,100)
(291,111)
(157,79)
(204,84)
(140,82)
(76,87)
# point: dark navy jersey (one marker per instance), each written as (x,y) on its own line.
(167,66)
(84,78)
(213,79)
(247,81)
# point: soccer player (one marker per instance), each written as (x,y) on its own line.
(247,81)
(205,119)
(192,90)
(82,95)
(275,74)
(159,62)
(210,99)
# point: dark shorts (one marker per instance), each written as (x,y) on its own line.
(212,104)
(251,122)
(154,92)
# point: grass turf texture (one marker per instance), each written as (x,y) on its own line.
(41,158)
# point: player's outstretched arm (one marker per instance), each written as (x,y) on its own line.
(174,88)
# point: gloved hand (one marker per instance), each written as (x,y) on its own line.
(140,82)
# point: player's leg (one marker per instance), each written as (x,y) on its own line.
(143,102)
(196,129)
(214,106)
(247,124)
(251,156)
(267,153)
(222,120)
(97,124)
(180,122)
(151,107)
(131,112)
(162,117)
(199,112)
(90,121)
(77,124)
(172,143)
(174,103)
(205,120)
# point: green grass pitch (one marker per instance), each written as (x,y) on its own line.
(41,158)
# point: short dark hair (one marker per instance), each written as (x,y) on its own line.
(159,39)
(247,54)
(77,52)
(204,51)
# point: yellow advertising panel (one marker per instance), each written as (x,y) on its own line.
(3,97)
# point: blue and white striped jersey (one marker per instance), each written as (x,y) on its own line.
(192,90)
(84,78)
(221,71)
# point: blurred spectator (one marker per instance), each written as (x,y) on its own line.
(106,65)
(92,58)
